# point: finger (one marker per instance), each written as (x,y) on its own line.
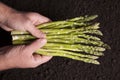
(41,59)
(35,32)
(41,19)
(35,45)
(37,18)
(5,27)
(3,49)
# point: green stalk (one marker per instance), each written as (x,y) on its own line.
(76,38)
(60,31)
(57,23)
(57,53)
(62,39)
(79,48)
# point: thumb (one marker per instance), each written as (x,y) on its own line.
(35,45)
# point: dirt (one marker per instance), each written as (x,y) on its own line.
(66,69)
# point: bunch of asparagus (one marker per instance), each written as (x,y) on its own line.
(76,38)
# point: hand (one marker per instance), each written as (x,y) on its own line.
(23,56)
(24,22)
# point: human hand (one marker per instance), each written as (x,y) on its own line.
(24,22)
(22,56)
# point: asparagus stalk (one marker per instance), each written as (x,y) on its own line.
(62,54)
(69,39)
(61,31)
(76,38)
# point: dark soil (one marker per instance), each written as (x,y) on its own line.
(63,68)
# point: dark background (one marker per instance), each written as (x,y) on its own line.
(67,69)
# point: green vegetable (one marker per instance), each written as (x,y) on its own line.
(76,38)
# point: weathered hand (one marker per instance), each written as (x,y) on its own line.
(24,22)
(22,56)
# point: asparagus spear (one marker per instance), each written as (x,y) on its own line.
(73,38)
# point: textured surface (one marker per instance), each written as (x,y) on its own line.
(67,69)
